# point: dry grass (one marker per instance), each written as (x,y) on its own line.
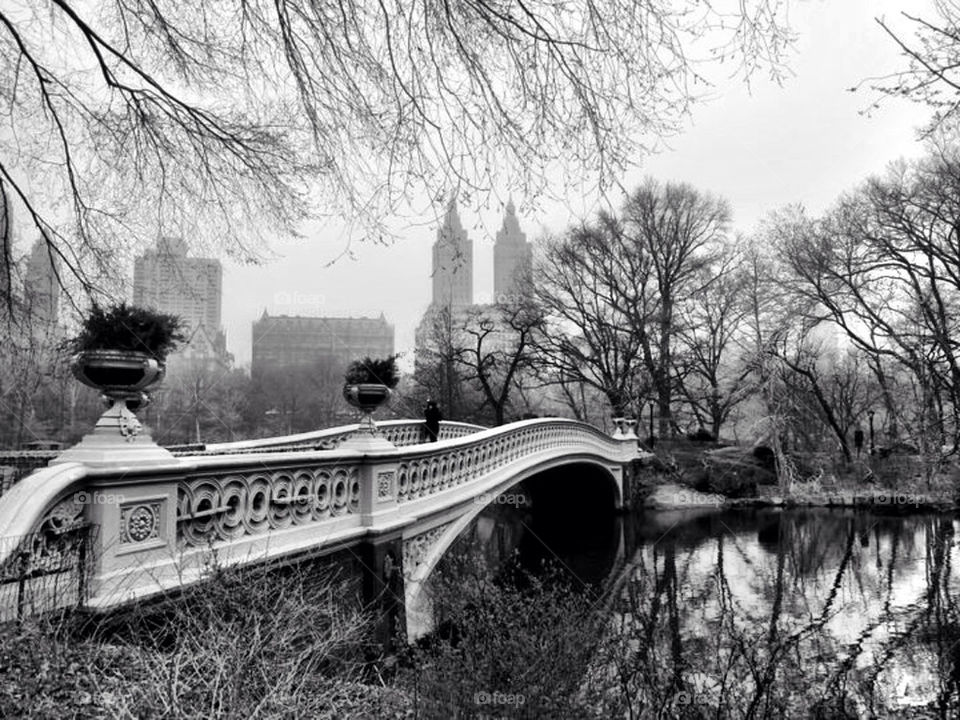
(251,643)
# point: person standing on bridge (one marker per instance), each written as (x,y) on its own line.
(432,416)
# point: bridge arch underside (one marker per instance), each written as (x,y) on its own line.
(567,512)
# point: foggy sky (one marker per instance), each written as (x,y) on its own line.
(760,147)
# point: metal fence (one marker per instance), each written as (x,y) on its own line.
(46,571)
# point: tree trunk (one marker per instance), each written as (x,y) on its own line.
(662,377)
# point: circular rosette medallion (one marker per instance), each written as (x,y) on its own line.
(142,523)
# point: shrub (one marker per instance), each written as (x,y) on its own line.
(129,328)
(265,643)
(380,371)
(701,435)
(517,648)
(733,481)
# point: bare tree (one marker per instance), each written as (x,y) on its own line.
(612,290)
(932,60)
(883,265)
(716,376)
(677,232)
(497,349)
(590,335)
(437,368)
(227,123)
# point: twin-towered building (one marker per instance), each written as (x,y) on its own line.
(453,260)
(452,305)
(328,344)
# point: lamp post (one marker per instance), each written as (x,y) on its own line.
(873,444)
(652,437)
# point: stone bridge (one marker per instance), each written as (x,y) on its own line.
(149,524)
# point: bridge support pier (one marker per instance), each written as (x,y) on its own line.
(382,584)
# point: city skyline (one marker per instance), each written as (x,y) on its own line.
(761,147)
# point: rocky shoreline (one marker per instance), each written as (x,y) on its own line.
(675,496)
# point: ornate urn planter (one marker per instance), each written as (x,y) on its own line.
(119,350)
(366,397)
(123,377)
(625,427)
(367,386)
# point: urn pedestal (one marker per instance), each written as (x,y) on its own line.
(123,378)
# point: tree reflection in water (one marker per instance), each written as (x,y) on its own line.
(794,614)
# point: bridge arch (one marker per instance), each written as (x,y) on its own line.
(423,551)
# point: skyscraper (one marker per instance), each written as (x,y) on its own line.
(41,286)
(452,263)
(511,254)
(166,279)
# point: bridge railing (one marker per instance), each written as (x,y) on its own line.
(426,471)
(17,464)
(398,432)
(159,523)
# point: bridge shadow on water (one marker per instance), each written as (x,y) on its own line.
(561,524)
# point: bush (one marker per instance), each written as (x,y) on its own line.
(515,649)
(380,371)
(129,328)
(701,435)
(247,643)
(733,481)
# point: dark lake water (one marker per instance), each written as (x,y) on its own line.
(753,613)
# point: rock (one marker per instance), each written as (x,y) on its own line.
(673,496)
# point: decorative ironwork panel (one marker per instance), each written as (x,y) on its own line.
(416,549)
(233,506)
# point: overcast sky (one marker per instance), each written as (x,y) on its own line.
(760,147)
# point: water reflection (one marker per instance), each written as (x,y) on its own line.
(759,613)
(771,613)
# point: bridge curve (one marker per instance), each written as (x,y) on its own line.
(157,523)
(424,548)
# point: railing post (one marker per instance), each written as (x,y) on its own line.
(378,494)
(137,526)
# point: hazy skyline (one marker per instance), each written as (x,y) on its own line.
(761,148)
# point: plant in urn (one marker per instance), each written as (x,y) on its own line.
(368,384)
(121,351)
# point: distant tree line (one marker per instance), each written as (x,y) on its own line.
(800,331)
